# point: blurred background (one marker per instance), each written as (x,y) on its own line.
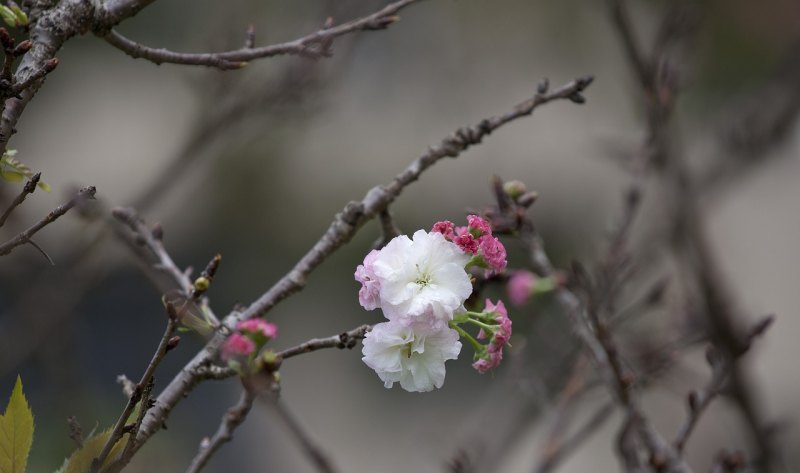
(254,164)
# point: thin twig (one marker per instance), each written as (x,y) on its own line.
(345,340)
(148,241)
(377,199)
(314,453)
(28,188)
(720,372)
(314,45)
(25,236)
(231,420)
(117,432)
(553,457)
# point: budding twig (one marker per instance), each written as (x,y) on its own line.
(314,45)
(25,236)
(29,188)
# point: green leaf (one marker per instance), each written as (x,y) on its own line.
(21,17)
(16,432)
(12,170)
(81,459)
(8,15)
(12,176)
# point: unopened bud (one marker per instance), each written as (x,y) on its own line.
(158,232)
(5,39)
(514,189)
(271,360)
(50,64)
(173,342)
(527,199)
(23,47)
(201,284)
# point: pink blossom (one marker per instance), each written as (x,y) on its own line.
(503,332)
(460,231)
(520,287)
(489,361)
(493,252)
(259,328)
(237,345)
(446,228)
(370,293)
(478,226)
(467,243)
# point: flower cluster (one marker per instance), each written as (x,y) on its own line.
(421,284)
(476,239)
(496,317)
(241,348)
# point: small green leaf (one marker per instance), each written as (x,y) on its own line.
(16,432)
(12,176)
(12,170)
(21,17)
(81,459)
(8,15)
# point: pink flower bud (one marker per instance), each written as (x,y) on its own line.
(258,329)
(446,228)
(237,346)
(520,287)
(467,243)
(493,252)
(478,226)
(489,361)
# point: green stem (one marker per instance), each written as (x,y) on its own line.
(475,345)
(485,326)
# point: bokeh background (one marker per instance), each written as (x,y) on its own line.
(254,164)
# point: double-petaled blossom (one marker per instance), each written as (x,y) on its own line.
(421,278)
(420,284)
(369,296)
(412,355)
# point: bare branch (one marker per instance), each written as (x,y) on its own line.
(136,396)
(231,420)
(25,236)
(377,199)
(344,340)
(147,242)
(29,187)
(314,453)
(699,401)
(314,45)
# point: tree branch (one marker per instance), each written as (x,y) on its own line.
(344,340)
(29,187)
(314,45)
(346,224)
(136,396)
(231,420)
(25,236)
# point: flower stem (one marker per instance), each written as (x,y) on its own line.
(475,345)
